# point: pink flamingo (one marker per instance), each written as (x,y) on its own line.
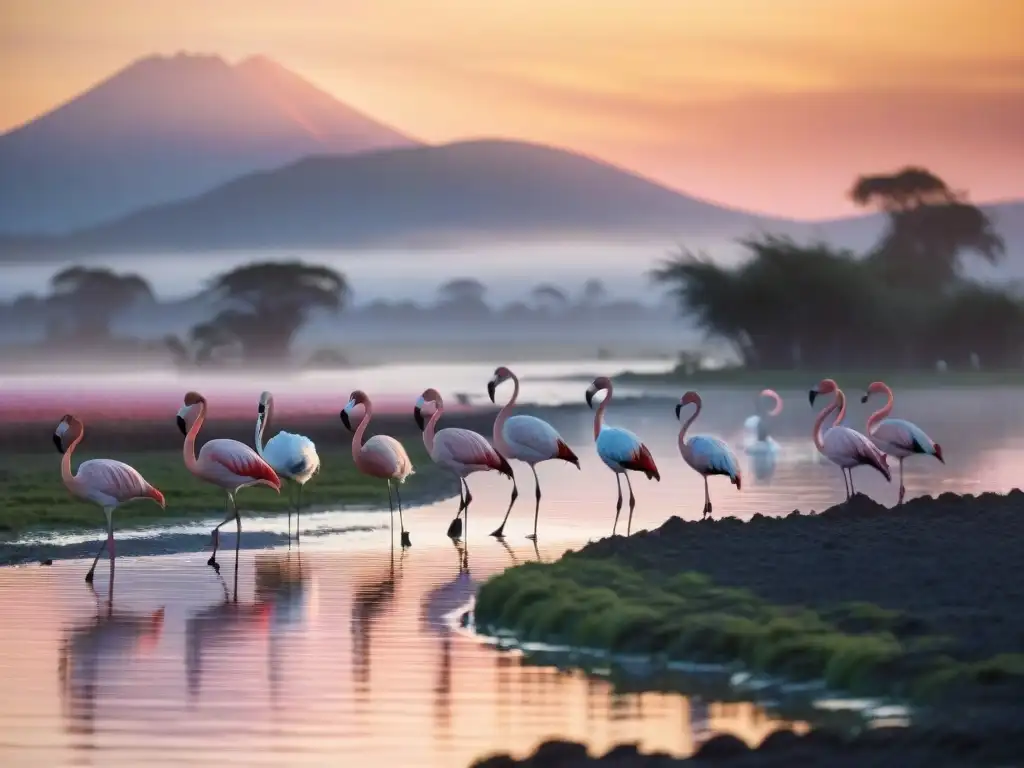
(619,449)
(461,451)
(706,455)
(897,437)
(844,447)
(380,456)
(105,482)
(527,439)
(228,464)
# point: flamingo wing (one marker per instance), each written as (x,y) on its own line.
(292,455)
(849,448)
(620,449)
(115,480)
(902,437)
(383,456)
(240,460)
(711,456)
(470,449)
(531,439)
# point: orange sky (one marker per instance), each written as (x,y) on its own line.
(769,105)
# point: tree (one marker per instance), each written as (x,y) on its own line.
(266,304)
(594,293)
(549,298)
(463,298)
(85,300)
(930,226)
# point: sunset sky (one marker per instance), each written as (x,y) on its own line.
(771,105)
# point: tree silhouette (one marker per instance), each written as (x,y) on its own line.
(266,305)
(85,300)
(549,298)
(463,297)
(594,293)
(930,226)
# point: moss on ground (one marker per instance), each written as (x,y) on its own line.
(32,496)
(602,603)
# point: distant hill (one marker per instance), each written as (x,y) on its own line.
(411,196)
(165,128)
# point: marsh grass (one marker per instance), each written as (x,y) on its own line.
(603,603)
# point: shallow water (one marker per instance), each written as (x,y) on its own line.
(331,656)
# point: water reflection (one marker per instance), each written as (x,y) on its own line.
(371,600)
(96,652)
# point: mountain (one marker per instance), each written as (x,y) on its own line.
(165,128)
(409,196)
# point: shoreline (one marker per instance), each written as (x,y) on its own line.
(916,604)
(803,379)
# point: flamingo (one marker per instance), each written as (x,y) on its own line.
(105,482)
(461,451)
(706,455)
(757,439)
(619,449)
(380,456)
(293,457)
(525,438)
(844,447)
(897,437)
(228,464)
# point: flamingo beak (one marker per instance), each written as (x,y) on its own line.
(811,395)
(417,414)
(590,396)
(491,386)
(679,408)
(181,425)
(865,398)
(58,442)
(345,421)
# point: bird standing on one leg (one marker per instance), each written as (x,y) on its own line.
(105,482)
(706,455)
(527,439)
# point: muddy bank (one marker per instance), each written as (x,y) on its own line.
(922,603)
(883,748)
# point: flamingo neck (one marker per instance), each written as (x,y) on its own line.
(599,416)
(777,408)
(70,481)
(841,400)
(428,431)
(357,436)
(882,412)
(261,427)
(686,425)
(189,449)
(497,436)
(818,422)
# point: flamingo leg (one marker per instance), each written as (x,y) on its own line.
(405,534)
(391,507)
(618,504)
(469,498)
(707,499)
(846,486)
(455,527)
(298,511)
(89,575)
(499,532)
(903,490)
(238,542)
(853,491)
(536,509)
(632,504)
(289,510)
(232,514)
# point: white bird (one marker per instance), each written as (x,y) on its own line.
(228,464)
(897,437)
(706,455)
(619,449)
(292,456)
(757,440)
(105,482)
(844,447)
(460,451)
(526,439)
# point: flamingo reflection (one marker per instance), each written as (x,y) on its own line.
(371,600)
(98,650)
(279,605)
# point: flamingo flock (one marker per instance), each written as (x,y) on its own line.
(233,465)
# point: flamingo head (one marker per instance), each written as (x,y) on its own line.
(431,396)
(873,388)
(188,411)
(825,387)
(266,403)
(600,383)
(501,374)
(67,430)
(690,398)
(358,399)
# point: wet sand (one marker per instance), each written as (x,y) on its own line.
(950,566)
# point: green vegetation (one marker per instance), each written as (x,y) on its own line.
(32,495)
(903,305)
(601,603)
